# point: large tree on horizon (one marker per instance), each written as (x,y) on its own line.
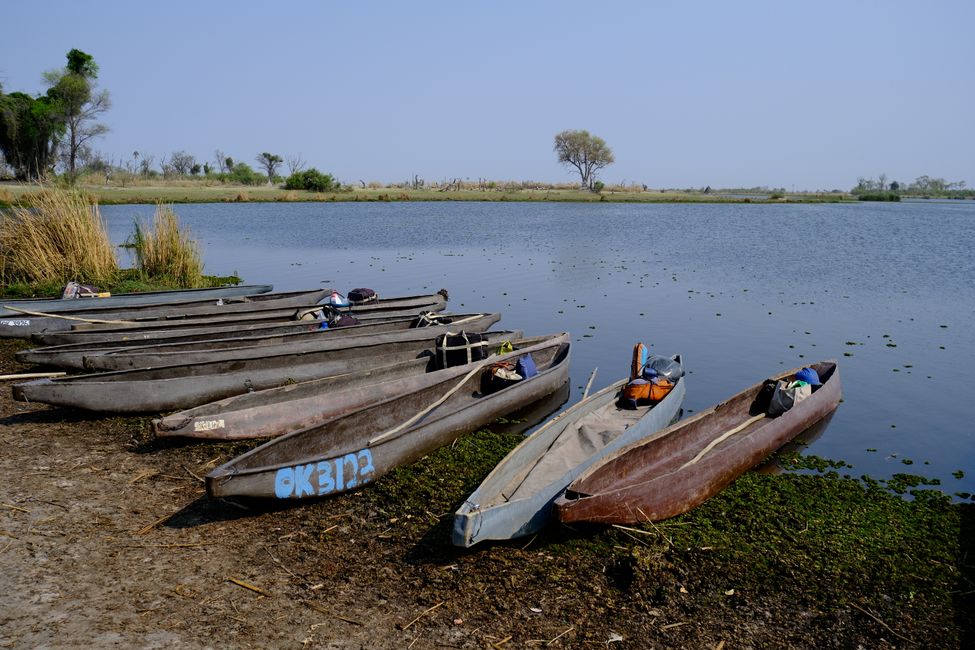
(79,103)
(586,153)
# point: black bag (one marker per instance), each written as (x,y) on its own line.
(362,296)
(343,320)
(460,349)
(498,376)
(764,398)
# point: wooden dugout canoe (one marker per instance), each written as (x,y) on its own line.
(27,325)
(278,411)
(149,390)
(179,354)
(683,465)
(71,356)
(155,330)
(408,419)
(516,498)
(62,305)
(385,306)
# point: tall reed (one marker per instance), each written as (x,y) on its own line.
(56,235)
(165,251)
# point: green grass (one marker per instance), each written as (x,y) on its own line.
(200,192)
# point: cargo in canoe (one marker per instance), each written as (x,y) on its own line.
(516,497)
(408,419)
(277,411)
(27,325)
(71,356)
(67,305)
(683,465)
(151,390)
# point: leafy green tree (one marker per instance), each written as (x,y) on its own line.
(79,103)
(30,132)
(586,153)
(270,163)
(311,180)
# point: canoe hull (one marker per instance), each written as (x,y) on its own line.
(28,325)
(180,387)
(312,462)
(656,479)
(59,305)
(71,356)
(219,350)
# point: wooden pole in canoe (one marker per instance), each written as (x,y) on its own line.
(41,314)
(592,376)
(32,375)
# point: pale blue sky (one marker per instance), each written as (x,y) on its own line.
(809,95)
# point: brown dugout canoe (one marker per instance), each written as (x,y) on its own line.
(179,354)
(406,419)
(70,356)
(384,308)
(687,463)
(278,411)
(123,300)
(151,390)
(28,324)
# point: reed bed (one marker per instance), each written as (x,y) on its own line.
(54,236)
(164,250)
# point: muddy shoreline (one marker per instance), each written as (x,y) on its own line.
(107,539)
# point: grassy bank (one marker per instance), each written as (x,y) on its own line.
(186,192)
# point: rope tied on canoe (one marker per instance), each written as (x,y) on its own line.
(714,443)
(397,429)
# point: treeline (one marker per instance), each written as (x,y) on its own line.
(922,186)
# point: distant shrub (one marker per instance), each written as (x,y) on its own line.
(775,196)
(311,180)
(598,186)
(243,173)
(880,196)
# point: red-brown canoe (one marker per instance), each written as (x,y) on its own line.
(687,463)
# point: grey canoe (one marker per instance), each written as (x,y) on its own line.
(180,387)
(180,354)
(277,411)
(685,464)
(407,419)
(516,497)
(152,330)
(60,305)
(71,356)
(27,325)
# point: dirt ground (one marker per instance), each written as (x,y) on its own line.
(108,540)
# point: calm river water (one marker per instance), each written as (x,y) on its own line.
(742,291)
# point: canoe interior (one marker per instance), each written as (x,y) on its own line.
(667,453)
(395,403)
(579,440)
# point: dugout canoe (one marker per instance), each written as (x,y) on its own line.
(70,356)
(516,498)
(67,305)
(26,325)
(407,419)
(278,411)
(149,390)
(683,465)
(180,354)
(155,330)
